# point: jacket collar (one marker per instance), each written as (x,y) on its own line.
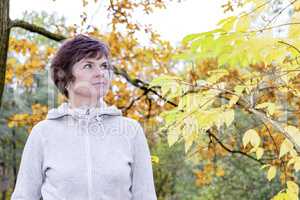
(82,112)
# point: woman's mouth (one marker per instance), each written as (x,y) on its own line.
(99,83)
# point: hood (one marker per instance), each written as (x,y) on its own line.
(65,110)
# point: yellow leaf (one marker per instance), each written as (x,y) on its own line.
(189,132)
(220,171)
(172,136)
(271,173)
(262,105)
(252,137)
(238,92)
(294,133)
(285,147)
(259,152)
(291,161)
(271,107)
(233,100)
(206,119)
(264,166)
(189,138)
(297,165)
(297,6)
(243,23)
(163,80)
(216,75)
(229,117)
(155,159)
(227,24)
(293,153)
(281,196)
(292,187)
(239,89)
(10,124)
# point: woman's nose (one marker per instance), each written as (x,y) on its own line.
(99,72)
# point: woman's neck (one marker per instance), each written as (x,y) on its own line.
(86,103)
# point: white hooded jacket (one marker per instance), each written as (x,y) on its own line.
(85,154)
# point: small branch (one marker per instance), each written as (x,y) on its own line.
(276,125)
(280,12)
(36,29)
(118,11)
(265,119)
(149,108)
(233,151)
(269,28)
(140,84)
(257,8)
(282,42)
(124,109)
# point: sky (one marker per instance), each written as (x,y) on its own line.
(173,23)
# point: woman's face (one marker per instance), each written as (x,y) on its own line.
(92,77)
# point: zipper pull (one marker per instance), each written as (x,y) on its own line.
(99,118)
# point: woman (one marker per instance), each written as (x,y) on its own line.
(85,149)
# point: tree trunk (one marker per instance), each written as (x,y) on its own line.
(14,167)
(4,39)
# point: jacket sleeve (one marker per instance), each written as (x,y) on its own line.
(142,175)
(30,176)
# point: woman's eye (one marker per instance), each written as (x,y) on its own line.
(87,66)
(104,66)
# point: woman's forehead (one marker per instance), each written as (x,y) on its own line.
(95,60)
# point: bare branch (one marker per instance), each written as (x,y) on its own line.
(233,151)
(280,12)
(36,29)
(140,84)
(283,42)
(276,125)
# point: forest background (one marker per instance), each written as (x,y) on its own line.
(220,108)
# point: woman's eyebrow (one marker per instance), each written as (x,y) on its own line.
(91,62)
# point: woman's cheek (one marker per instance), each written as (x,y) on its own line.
(101,88)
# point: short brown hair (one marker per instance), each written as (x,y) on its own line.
(71,51)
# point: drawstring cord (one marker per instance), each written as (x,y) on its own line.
(96,128)
(99,119)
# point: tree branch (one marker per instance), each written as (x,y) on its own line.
(140,84)
(233,151)
(266,119)
(36,29)
(276,125)
(280,12)
(292,46)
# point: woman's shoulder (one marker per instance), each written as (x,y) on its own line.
(42,126)
(129,121)
(129,126)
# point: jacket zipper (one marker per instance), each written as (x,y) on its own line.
(88,159)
